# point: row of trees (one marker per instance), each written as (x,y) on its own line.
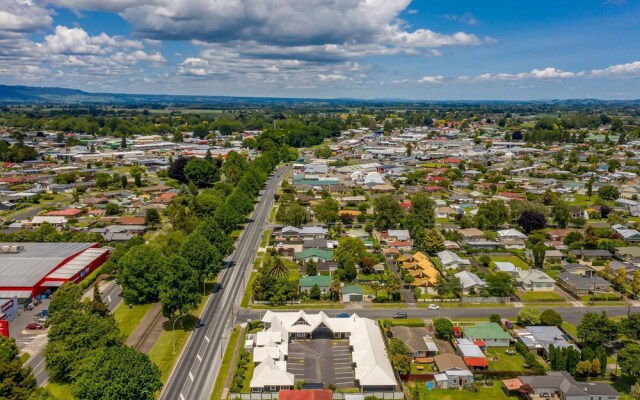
(87,349)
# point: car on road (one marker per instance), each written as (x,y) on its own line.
(34,326)
(400,315)
(342,315)
(433,307)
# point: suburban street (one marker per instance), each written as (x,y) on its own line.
(569,314)
(195,373)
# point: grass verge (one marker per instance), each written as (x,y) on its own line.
(61,391)
(129,318)
(226,364)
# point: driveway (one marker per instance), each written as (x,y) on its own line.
(321,360)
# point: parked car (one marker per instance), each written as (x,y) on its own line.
(34,326)
(433,307)
(342,315)
(457,332)
(508,324)
(400,315)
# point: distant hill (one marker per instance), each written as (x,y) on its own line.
(56,95)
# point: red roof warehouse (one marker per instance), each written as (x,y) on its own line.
(29,269)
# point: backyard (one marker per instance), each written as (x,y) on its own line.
(485,393)
(517,261)
(499,360)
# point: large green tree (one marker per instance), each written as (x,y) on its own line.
(421,214)
(628,358)
(16,383)
(210,229)
(561,213)
(491,215)
(597,329)
(201,255)
(179,291)
(500,284)
(327,210)
(201,172)
(74,337)
(117,373)
(141,272)
(350,251)
(387,212)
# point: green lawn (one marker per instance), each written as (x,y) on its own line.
(485,393)
(500,361)
(246,297)
(272,214)
(426,368)
(61,391)
(570,328)
(518,262)
(129,318)
(582,200)
(412,322)
(541,297)
(265,238)
(226,364)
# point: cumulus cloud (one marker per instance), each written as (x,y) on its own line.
(466,18)
(619,70)
(23,16)
(77,41)
(431,79)
(629,69)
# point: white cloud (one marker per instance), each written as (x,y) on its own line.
(23,16)
(466,18)
(77,41)
(332,77)
(430,79)
(629,69)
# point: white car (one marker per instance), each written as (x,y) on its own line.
(433,307)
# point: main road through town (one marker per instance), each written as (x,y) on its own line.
(569,314)
(195,373)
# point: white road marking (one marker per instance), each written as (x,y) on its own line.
(206,338)
(198,357)
(191,376)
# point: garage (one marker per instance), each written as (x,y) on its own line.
(352,294)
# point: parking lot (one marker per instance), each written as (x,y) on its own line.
(25,338)
(323,361)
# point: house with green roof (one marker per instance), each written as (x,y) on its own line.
(323,281)
(351,293)
(314,254)
(490,333)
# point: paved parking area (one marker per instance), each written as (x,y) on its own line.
(17,327)
(323,361)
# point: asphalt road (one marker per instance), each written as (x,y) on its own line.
(194,375)
(111,295)
(569,314)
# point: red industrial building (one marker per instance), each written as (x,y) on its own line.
(30,269)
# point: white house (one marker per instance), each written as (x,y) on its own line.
(470,280)
(450,260)
(535,280)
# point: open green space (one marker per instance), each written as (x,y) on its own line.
(484,393)
(129,318)
(570,328)
(61,391)
(541,297)
(226,364)
(499,360)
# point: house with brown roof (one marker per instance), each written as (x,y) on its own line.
(129,221)
(472,234)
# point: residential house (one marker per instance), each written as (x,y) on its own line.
(631,254)
(535,280)
(472,234)
(453,372)
(630,235)
(422,269)
(470,281)
(314,254)
(323,281)
(490,333)
(539,338)
(583,285)
(565,387)
(579,269)
(444,212)
(418,340)
(592,254)
(471,352)
(507,267)
(304,233)
(553,256)
(511,234)
(306,394)
(450,260)
(57,222)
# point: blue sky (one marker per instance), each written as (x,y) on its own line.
(420,49)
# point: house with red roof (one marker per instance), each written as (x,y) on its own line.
(69,213)
(306,394)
